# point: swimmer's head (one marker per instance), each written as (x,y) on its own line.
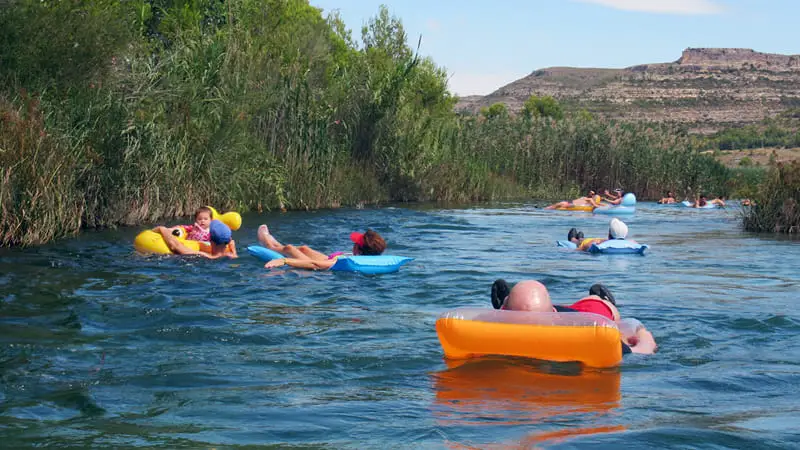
(220,233)
(617,229)
(529,295)
(368,243)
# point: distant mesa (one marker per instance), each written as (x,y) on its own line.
(706,89)
(740,58)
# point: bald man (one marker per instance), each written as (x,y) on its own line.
(532,296)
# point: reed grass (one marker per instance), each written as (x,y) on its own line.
(776,205)
(142,114)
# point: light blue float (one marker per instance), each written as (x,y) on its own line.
(618,247)
(263,253)
(709,205)
(566,244)
(370,264)
(360,263)
(610,247)
(627,206)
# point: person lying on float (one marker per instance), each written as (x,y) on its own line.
(532,296)
(616,230)
(305,257)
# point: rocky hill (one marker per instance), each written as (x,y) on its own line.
(706,89)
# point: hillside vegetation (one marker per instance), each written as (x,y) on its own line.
(706,90)
(120,113)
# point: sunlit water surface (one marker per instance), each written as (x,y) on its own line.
(101,347)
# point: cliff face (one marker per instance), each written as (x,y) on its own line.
(705,89)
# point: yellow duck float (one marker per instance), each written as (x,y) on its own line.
(149,241)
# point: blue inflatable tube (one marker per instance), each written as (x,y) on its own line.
(361,263)
(615,210)
(370,264)
(566,244)
(618,247)
(689,204)
(626,206)
(263,253)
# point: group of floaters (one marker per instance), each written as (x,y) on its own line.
(211,237)
(699,202)
(617,202)
(525,323)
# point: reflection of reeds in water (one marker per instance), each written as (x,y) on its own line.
(503,391)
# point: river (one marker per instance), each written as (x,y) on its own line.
(101,347)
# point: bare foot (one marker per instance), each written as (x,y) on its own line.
(266,238)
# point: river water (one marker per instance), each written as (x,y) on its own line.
(101,347)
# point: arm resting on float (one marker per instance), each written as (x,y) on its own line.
(175,245)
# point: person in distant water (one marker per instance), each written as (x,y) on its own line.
(616,230)
(719,201)
(614,198)
(575,236)
(199,231)
(670,198)
(700,202)
(220,242)
(590,200)
(532,296)
(747,202)
(305,257)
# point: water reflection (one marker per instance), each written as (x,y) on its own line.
(556,398)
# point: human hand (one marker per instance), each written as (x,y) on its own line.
(644,342)
(275,263)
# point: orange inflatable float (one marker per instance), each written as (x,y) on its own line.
(591,339)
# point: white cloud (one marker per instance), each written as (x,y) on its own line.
(463,84)
(433,25)
(662,6)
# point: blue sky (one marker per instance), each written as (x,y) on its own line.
(487,44)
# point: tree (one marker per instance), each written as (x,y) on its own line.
(496,110)
(543,107)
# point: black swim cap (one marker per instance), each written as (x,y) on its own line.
(602,292)
(500,291)
(573,233)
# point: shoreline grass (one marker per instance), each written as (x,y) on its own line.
(142,114)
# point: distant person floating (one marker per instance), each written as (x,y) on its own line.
(591,199)
(616,230)
(669,199)
(615,197)
(719,201)
(699,202)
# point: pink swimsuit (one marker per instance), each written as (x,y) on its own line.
(195,233)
